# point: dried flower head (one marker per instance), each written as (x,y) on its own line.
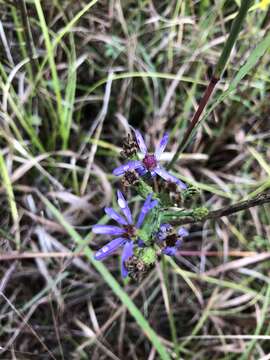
(130,177)
(130,147)
(136,268)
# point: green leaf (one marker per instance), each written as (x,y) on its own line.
(10,195)
(253,58)
(53,69)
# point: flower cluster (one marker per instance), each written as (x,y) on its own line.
(126,233)
(150,162)
(142,240)
(169,239)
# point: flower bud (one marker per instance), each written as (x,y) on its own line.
(200,213)
(148,255)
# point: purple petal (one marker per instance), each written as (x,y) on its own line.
(140,142)
(126,254)
(165,227)
(107,230)
(182,232)
(112,246)
(124,206)
(147,206)
(161,236)
(169,250)
(140,243)
(141,171)
(169,177)
(164,231)
(153,173)
(130,165)
(161,147)
(122,202)
(178,244)
(115,216)
(153,204)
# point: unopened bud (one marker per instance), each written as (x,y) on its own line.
(200,213)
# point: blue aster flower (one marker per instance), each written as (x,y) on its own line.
(170,241)
(125,232)
(150,162)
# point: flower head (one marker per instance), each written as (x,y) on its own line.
(126,231)
(150,162)
(169,240)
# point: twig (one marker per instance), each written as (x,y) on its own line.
(225,211)
(15,255)
(220,67)
(231,253)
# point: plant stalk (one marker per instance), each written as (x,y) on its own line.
(217,74)
(261,199)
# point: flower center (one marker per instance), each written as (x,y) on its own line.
(130,231)
(150,161)
(171,240)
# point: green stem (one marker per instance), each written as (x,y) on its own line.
(219,69)
(183,217)
(234,32)
(170,312)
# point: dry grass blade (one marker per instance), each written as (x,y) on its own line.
(237,264)
(99,123)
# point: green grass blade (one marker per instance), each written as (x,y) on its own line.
(61,34)
(215,281)
(142,74)
(262,162)
(253,58)
(10,195)
(261,321)
(55,78)
(19,110)
(69,94)
(69,26)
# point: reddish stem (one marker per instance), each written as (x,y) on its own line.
(210,88)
